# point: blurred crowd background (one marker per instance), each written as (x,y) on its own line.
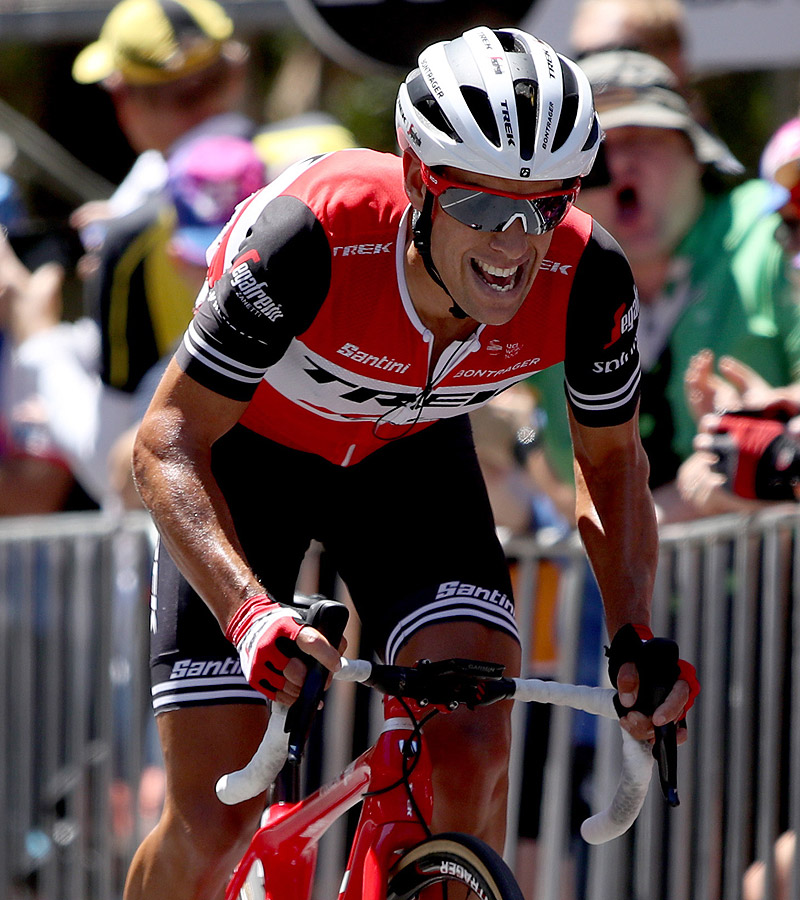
(288,75)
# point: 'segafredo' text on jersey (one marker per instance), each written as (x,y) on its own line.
(306,314)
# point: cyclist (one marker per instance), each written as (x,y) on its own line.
(355,311)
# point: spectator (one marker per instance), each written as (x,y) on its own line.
(655,27)
(708,268)
(33,476)
(206,179)
(171,69)
(174,74)
(732,468)
(780,165)
(754,880)
(702,483)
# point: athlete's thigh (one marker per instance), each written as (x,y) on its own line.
(192,664)
(199,745)
(469,748)
(462,639)
(416,542)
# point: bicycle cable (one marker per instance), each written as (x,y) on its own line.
(411,755)
(417,402)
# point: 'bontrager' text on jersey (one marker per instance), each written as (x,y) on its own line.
(306,314)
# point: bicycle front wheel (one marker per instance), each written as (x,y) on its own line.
(444,865)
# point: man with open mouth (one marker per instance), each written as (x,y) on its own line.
(355,311)
(709,270)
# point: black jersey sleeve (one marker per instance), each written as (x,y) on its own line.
(272,288)
(601,360)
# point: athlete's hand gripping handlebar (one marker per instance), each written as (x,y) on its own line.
(658,672)
(288,727)
(659,667)
(330,619)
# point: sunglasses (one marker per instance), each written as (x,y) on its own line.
(486,210)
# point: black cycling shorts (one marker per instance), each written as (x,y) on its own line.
(409,529)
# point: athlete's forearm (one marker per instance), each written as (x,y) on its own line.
(616,519)
(172,470)
(177,486)
(623,550)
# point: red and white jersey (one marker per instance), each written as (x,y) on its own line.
(306,313)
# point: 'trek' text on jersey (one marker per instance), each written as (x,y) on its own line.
(307,315)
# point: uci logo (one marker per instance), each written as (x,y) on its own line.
(524,173)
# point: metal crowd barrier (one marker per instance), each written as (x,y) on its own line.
(727,591)
(76,731)
(73,701)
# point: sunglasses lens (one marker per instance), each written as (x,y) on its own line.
(491,212)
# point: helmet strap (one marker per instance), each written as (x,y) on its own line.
(421,225)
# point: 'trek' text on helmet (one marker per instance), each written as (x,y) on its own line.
(499,103)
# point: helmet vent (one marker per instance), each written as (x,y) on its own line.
(481,109)
(525,95)
(424,102)
(510,42)
(569,108)
(594,136)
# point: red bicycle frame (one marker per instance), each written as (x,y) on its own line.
(287,843)
(393,778)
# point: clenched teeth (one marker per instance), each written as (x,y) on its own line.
(508,276)
(493,270)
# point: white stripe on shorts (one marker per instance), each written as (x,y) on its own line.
(469,608)
(194,691)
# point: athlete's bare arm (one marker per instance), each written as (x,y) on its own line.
(617,522)
(172,469)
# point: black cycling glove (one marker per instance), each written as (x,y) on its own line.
(658,664)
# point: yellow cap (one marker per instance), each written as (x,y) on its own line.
(287,142)
(155,41)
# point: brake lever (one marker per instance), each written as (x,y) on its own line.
(329,617)
(665,751)
(658,657)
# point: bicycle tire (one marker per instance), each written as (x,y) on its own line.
(452,859)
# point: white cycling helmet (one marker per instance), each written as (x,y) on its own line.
(500,103)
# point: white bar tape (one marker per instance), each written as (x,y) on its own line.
(634,782)
(263,768)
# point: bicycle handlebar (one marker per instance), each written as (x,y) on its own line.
(637,758)
(264,766)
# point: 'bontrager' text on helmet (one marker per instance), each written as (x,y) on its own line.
(499,103)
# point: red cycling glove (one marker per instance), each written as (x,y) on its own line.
(264,633)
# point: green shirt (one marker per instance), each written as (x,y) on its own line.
(738,302)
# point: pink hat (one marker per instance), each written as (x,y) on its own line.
(780,163)
(206,180)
